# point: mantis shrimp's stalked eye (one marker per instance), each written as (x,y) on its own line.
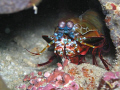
(61,24)
(70,24)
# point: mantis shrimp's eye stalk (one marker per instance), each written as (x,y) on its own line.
(70,24)
(61,24)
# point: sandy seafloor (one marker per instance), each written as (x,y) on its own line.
(15,61)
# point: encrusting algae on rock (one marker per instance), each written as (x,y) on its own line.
(66,76)
(54,80)
(112,21)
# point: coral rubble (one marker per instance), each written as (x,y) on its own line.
(66,76)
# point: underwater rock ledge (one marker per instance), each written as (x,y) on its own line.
(12,6)
(111,9)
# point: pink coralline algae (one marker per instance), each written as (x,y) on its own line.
(47,87)
(47,74)
(66,76)
(111,75)
(56,80)
(110,81)
(39,73)
(22,87)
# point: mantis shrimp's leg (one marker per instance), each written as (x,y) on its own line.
(93,55)
(77,59)
(104,61)
(49,61)
(90,45)
(74,60)
(77,39)
(39,53)
(81,59)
